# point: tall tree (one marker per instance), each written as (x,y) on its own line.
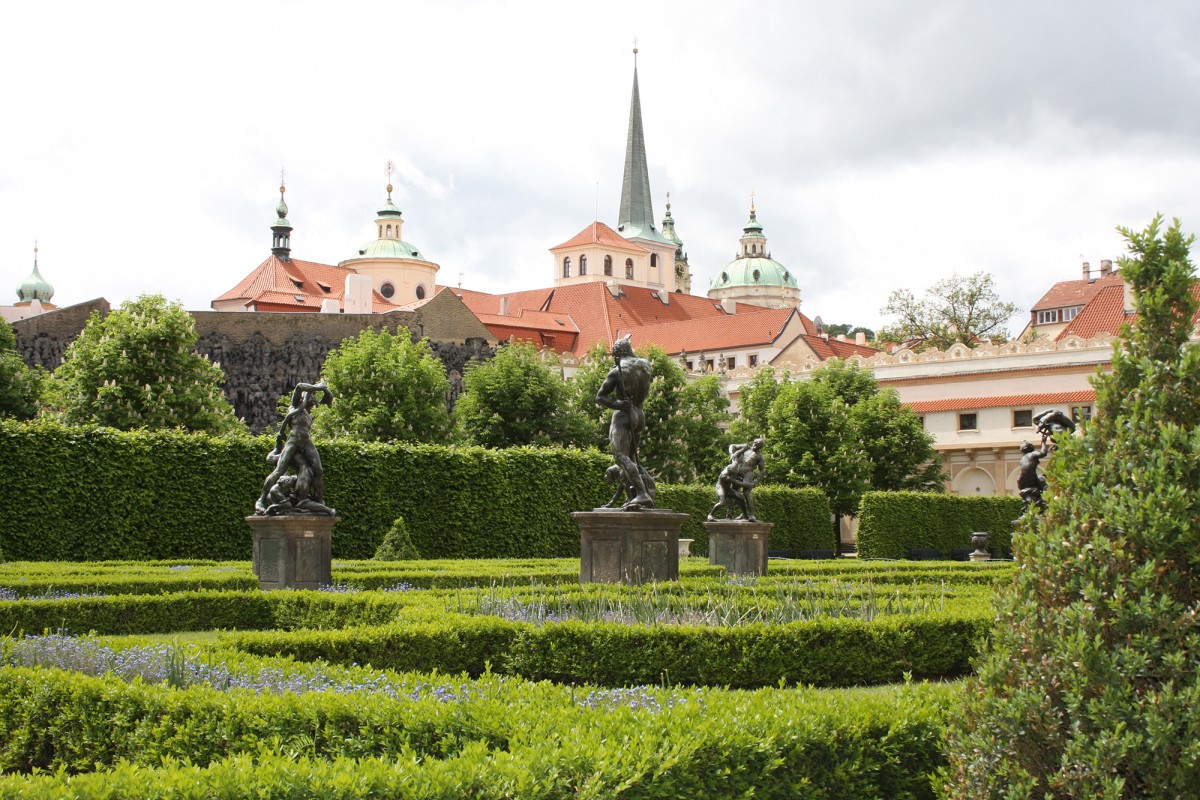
(135,368)
(20,384)
(962,308)
(757,394)
(387,388)
(515,398)
(1091,680)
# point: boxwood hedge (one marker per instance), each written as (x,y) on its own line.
(892,523)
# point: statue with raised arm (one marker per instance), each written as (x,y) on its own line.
(624,390)
(303,491)
(743,472)
(1030,484)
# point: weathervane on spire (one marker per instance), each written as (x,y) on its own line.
(668,201)
(389,169)
(282,182)
(751,201)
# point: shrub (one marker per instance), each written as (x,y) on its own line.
(1092,682)
(801,516)
(892,523)
(397,544)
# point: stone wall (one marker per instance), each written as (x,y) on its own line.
(265,355)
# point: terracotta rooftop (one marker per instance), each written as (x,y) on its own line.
(1105,312)
(296,284)
(599,233)
(833,348)
(1065,294)
(1000,401)
(726,332)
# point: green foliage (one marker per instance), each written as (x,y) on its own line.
(962,308)
(397,544)
(386,388)
(135,368)
(839,432)
(1091,683)
(800,516)
(811,443)
(515,399)
(892,523)
(683,440)
(21,386)
(757,395)
(493,739)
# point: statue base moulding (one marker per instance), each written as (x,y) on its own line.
(293,552)
(739,546)
(630,547)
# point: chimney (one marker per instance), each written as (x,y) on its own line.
(860,339)
(1087,270)
(1130,300)
(504,306)
(729,305)
(358,294)
(1105,268)
(841,337)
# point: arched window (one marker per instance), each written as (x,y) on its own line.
(629,268)
(654,259)
(567,267)
(754,248)
(608,265)
(389,231)
(380,231)
(583,265)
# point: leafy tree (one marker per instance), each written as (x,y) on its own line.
(880,442)
(683,440)
(386,388)
(1090,684)
(958,309)
(812,442)
(516,399)
(135,368)
(756,397)
(20,385)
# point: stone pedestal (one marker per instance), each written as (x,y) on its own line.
(292,552)
(629,547)
(738,546)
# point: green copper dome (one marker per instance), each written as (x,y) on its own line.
(389,248)
(751,271)
(35,287)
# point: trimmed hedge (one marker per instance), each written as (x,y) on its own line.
(824,652)
(892,523)
(494,739)
(105,494)
(802,517)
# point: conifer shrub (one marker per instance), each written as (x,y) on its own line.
(1091,682)
(397,544)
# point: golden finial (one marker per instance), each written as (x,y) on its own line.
(389,169)
(282,187)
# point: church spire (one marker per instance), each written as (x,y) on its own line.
(35,287)
(637,214)
(281,230)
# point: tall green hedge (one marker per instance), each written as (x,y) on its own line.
(802,517)
(892,523)
(76,494)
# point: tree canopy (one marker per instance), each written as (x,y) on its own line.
(515,398)
(386,388)
(962,308)
(839,431)
(1090,683)
(20,384)
(135,368)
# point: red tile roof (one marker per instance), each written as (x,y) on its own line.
(1065,294)
(1104,313)
(296,284)
(832,348)
(599,233)
(1036,399)
(725,332)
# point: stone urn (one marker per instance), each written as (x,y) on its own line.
(980,541)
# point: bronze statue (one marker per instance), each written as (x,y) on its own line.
(1030,484)
(624,492)
(1052,423)
(624,391)
(743,473)
(304,491)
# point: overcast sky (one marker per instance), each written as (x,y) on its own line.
(888,144)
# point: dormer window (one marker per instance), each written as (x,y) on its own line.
(297,284)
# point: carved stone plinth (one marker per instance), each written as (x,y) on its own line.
(293,552)
(628,546)
(739,547)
